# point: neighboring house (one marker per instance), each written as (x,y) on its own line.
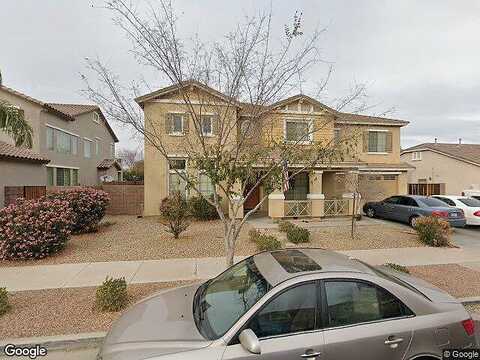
(377,154)
(77,140)
(20,166)
(443,168)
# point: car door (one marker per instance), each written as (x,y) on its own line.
(408,207)
(286,327)
(364,319)
(389,207)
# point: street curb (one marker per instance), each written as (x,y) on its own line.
(469,300)
(62,342)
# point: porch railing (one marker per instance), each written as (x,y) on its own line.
(298,208)
(336,207)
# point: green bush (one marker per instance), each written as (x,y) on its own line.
(175,212)
(433,231)
(298,235)
(268,243)
(4,304)
(112,295)
(253,235)
(284,225)
(397,267)
(202,210)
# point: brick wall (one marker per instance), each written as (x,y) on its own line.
(12,193)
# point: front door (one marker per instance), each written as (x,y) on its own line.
(253,199)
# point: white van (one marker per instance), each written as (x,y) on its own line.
(472,193)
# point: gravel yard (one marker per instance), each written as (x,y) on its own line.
(457,280)
(64,311)
(131,238)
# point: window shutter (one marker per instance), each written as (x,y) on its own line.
(168,123)
(365,141)
(215,123)
(186,123)
(388,146)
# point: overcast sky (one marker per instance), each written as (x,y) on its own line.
(421,57)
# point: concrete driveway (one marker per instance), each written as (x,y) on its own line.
(468,237)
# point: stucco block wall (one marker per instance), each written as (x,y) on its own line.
(14,173)
(436,168)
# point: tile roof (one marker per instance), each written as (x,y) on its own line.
(19,153)
(74,109)
(108,163)
(464,152)
(366,119)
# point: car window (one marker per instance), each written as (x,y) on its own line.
(470,202)
(431,202)
(447,201)
(292,311)
(393,200)
(354,302)
(408,201)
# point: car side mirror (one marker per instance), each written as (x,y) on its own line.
(249,341)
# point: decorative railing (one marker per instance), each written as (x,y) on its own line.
(336,207)
(297,208)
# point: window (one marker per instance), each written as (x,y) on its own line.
(175,182)
(393,200)
(293,261)
(246,128)
(50,176)
(96,117)
(207,125)
(298,131)
(470,202)
(431,202)
(205,184)
(74,177)
(112,150)
(74,140)
(416,156)
(57,176)
(64,143)
(336,136)
(290,312)
(97,147)
(306,108)
(389,177)
(407,201)
(175,125)
(50,136)
(355,302)
(379,141)
(87,148)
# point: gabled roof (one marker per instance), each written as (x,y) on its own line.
(108,163)
(173,88)
(464,152)
(348,118)
(11,152)
(302,97)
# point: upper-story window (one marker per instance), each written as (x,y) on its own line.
(207,125)
(96,117)
(176,124)
(87,148)
(376,141)
(97,146)
(298,131)
(416,156)
(50,138)
(336,136)
(112,150)
(61,141)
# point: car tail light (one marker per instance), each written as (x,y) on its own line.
(469,326)
(437,213)
(476,213)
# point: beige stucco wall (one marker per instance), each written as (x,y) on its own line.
(20,173)
(436,168)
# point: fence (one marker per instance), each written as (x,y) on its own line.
(298,208)
(12,193)
(336,207)
(126,198)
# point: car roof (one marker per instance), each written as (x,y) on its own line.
(454,197)
(281,265)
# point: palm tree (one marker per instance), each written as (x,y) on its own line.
(13,123)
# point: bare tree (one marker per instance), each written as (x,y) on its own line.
(129,157)
(251,70)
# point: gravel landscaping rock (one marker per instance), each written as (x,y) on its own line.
(457,280)
(473,308)
(64,311)
(132,238)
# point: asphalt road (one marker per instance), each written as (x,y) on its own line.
(78,354)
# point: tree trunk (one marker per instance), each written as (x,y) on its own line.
(354,215)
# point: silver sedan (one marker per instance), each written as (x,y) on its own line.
(294,304)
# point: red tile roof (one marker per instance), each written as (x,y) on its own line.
(108,163)
(19,153)
(74,109)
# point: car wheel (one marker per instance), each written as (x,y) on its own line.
(413,221)
(370,212)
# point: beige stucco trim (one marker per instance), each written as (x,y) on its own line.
(58,128)
(63,166)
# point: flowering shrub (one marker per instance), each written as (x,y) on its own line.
(433,231)
(88,206)
(34,229)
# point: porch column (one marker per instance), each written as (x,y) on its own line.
(315,194)
(276,207)
(237,187)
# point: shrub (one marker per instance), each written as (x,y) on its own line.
(202,210)
(112,295)
(253,235)
(284,225)
(268,243)
(433,231)
(88,205)
(4,304)
(298,235)
(174,210)
(34,229)
(397,267)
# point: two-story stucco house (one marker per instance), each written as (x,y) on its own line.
(313,193)
(77,140)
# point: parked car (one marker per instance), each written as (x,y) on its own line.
(470,206)
(471,193)
(408,208)
(293,304)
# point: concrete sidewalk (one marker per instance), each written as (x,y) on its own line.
(136,272)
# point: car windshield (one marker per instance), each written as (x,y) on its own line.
(220,302)
(432,202)
(470,202)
